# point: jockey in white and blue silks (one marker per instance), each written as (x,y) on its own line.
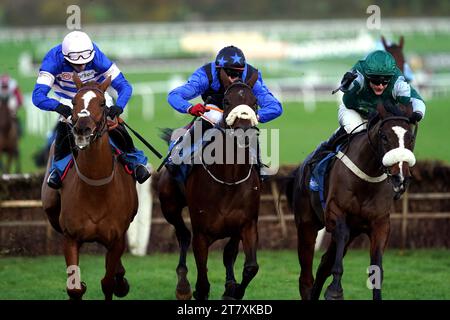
(78,53)
(205,82)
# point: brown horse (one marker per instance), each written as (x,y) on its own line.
(397,51)
(98,199)
(9,138)
(223,201)
(373,170)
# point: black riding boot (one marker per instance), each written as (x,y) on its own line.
(328,146)
(123,141)
(62,149)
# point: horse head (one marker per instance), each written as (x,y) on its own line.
(396,50)
(239,103)
(89,111)
(395,143)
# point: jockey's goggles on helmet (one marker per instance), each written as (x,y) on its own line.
(233,72)
(75,56)
(384,80)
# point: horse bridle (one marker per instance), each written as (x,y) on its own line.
(377,151)
(100,126)
(222,129)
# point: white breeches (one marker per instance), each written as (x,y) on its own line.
(350,119)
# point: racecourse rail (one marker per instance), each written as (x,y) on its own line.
(274,196)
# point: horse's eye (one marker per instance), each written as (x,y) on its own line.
(226,102)
(384,138)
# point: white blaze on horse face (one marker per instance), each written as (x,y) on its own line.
(400,154)
(87,97)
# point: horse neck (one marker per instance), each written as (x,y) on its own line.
(96,161)
(233,169)
(362,153)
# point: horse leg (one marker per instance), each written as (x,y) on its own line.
(379,235)
(112,265)
(121,286)
(230,253)
(249,236)
(172,209)
(341,235)
(306,238)
(75,288)
(200,245)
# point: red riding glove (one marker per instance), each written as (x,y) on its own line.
(197,110)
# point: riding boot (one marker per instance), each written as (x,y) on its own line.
(62,150)
(132,157)
(328,146)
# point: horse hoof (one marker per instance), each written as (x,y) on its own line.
(183,291)
(332,294)
(121,288)
(198,297)
(77,294)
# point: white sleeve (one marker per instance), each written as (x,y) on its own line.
(401,88)
(45,78)
(113,71)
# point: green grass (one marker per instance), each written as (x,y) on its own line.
(418,274)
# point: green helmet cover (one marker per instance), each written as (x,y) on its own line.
(379,63)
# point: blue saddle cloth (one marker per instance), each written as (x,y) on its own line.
(317,180)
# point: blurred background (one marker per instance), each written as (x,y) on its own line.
(302,48)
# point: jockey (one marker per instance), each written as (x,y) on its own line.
(205,82)
(10,91)
(78,53)
(372,79)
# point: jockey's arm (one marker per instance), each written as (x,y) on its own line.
(270,107)
(404,93)
(356,85)
(44,84)
(179,97)
(118,81)
(19,97)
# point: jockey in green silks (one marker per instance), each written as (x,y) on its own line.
(371,80)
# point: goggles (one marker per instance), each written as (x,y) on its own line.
(233,73)
(380,80)
(75,56)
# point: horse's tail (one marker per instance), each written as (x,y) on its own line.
(289,187)
(166,134)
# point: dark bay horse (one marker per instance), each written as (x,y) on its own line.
(396,50)
(223,201)
(360,188)
(98,199)
(9,138)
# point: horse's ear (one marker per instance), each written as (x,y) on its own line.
(402,41)
(105,84)
(76,80)
(251,82)
(226,82)
(381,110)
(383,41)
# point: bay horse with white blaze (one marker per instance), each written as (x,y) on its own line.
(223,201)
(369,173)
(98,199)
(9,138)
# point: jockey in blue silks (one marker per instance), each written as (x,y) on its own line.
(79,54)
(205,82)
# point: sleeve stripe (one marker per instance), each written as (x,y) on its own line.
(113,71)
(45,78)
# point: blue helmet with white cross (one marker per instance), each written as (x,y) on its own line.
(230,57)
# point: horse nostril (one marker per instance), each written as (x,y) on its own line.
(84,131)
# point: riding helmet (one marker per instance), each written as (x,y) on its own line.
(379,63)
(230,57)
